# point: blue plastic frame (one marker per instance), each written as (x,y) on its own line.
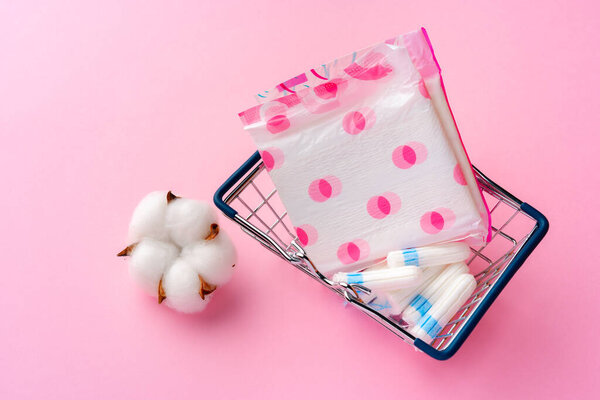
(534,239)
(536,236)
(219,196)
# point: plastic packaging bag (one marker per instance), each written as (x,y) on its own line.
(366,157)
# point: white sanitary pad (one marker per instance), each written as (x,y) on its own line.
(366,157)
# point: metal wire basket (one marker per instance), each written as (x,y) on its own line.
(517,230)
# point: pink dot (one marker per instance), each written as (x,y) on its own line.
(290,101)
(381,206)
(423,89)
(410,154)
(272,158)
(433,222)
(326,90)
(325,188)
(370,67)
(459,176)
(437,221)
(354,251)
(307,234)
(355,122)
(277,124)
(322,99)
(384,205)
(322,189)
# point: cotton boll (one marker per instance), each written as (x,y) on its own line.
(189,221)
(212,259)
(182,285)
(149,260)
(148,218)
(161,225)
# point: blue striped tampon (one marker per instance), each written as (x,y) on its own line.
(454,296)
(423,301)
(439,254)
(382,278)
(401,298)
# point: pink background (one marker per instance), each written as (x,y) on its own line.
(104,101)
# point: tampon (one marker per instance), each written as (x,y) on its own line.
(440,254)
(424,300)
(383,279)
(380,304)
(432,323)
(400,299)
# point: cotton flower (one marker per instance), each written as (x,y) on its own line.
(148,219)
(183,289)
(149,260)
(188,221)
(178,251)
(206,257)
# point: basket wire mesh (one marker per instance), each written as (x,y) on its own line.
(262,215)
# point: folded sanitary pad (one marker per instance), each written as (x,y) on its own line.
(366,157)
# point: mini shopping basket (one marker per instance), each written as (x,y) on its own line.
(517,230)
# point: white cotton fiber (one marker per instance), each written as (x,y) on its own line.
(189,221)
(182,287)
(148,219)
(150,259)
(178,253)
(213,259)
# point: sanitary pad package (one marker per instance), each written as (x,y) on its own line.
(366,157)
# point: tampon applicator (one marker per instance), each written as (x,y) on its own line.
(382,279)
(424,300)
(432,323)
(440,254)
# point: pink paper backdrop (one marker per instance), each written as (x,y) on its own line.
(101,102)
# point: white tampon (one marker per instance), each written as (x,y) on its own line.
(400,299)
(440,254)
(383,279)
(423,301)
(432,323)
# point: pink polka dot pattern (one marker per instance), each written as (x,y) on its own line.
(290,100)
(383,205)
(409,154)
(325,188)
(373,67)
(355,122)
(324,97)
(353,251)
(435,221)
(326,90)
(278,123)
(423,89)
(458,176)
(272,158)
(307,234)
